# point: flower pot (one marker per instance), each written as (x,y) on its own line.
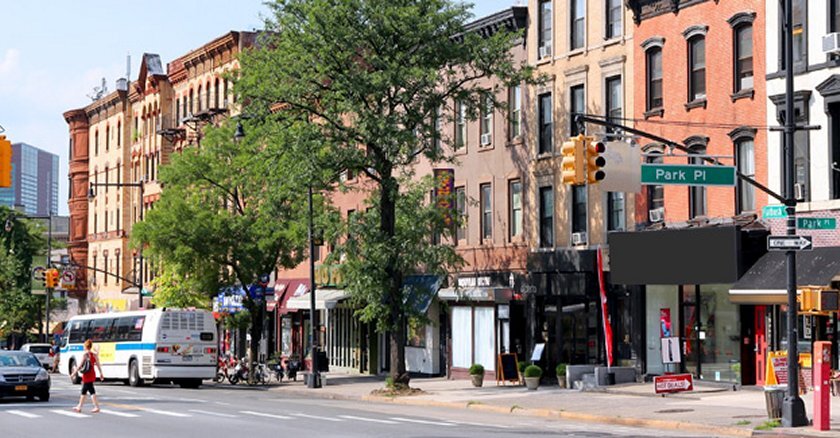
(561,381)
(532,383)
(477,380)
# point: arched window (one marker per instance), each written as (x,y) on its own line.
(696,68)
(207,94)
(216,93)
(96,142)
(119,133)
(654,78)
(743,139)
(192,108)
(199,98)
(696,194)
(107,138)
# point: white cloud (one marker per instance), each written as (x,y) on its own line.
(10,60)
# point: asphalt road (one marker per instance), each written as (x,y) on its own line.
(242,412)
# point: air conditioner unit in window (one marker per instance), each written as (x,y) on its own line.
(799,191)
(545,51)
(579,239)
(831,43)
(657,214)
(485,139)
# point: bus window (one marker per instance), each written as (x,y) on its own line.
(123,327)
(79,331)
(136,330)
(100,330)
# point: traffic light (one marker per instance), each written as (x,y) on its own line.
(573,162)
(818,301)
(5,162)
(51,278)
(595,161)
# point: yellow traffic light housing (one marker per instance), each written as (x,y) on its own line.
(573,160)
(51,277)
(595,161)
(818,301)
(5,162)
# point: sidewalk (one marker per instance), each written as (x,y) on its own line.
(709,409)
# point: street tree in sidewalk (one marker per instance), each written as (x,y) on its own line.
(375,77)
(22,241)
(174,287)
(225,218)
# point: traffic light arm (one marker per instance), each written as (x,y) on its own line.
(581,118)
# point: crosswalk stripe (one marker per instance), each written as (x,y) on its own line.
(119,414)
(215,414)
(370,420)
(23,414)
(171,414)
(412,420)
(316,417)
(262,414)
(70,413)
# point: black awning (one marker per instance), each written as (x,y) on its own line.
(817,267)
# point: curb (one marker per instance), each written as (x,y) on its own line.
(530,412)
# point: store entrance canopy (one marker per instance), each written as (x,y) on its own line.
(324,299)
(765,282)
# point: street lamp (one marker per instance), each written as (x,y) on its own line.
(315,375)
(138,185)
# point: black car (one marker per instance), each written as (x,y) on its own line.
(21,375)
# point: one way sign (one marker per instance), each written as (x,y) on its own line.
(790,243)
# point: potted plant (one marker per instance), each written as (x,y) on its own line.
(532,377)
(477,375)
(560,370)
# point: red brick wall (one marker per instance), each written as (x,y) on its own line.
(720,108)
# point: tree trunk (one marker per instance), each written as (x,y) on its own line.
(388,206)
(256,336)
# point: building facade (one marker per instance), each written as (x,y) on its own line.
(34,181)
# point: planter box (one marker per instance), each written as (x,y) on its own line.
(532,383)
(477,380)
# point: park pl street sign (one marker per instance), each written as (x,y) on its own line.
(688,175)
(788,243)
(673,383)
(816,223)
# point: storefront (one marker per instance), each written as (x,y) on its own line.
(687,274)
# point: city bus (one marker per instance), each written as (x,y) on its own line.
(160,345)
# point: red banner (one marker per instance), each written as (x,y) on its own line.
(608,334)
(673,383)
(444,189)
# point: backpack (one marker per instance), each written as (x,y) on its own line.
(85,367)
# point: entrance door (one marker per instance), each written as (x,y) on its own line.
(760,344)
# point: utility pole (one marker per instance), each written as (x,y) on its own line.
(793,408)
(314,376)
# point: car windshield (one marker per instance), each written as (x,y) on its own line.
(18,360)
(39,349)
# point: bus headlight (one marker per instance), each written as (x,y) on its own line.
(42,375)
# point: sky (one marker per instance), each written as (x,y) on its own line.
(53,53)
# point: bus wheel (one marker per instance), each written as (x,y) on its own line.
(75,380)
(134,374)
(190,383)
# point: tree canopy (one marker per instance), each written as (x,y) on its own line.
(22,240)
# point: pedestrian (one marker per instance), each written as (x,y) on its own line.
(89,361)
(56,354)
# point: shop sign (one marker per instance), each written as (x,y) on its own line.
(328,275)
(466,282)
(673,383)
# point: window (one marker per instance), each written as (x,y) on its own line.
(107,138)
(544,31)
(198,98)
(799,35)
(579,209)
(616,211)
(546,142)
(577,106)
(177,111)
(514,112)
(436,135)
(79,331)
(515,202)
(654,78)
(834,15)
(105,256)
(655,194)
(460,125)
(613,105)
(119,134)
(216,93)
(697,68)
(96,143)
(486,120)
(578,25)
(546,217)
(461,207)
(743,58)
(696,194)
(614,10)
(486,211)
(192,108)
(745,159)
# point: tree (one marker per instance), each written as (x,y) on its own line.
(21,241)
(372,76)
(174,288)
(225,218)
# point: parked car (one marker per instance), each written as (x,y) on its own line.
(41,351)
(21,375)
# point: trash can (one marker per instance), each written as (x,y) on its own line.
(773,397)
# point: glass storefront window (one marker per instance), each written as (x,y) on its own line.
(715,323)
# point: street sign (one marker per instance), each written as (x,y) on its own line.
(68,279)
(622,170)
(673,383)
(774,212)
(788,243)
(688,175)
(816,223)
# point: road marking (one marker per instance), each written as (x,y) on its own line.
(119,414)
(222,403)
(467,423)
(23,414)
(261,414)
(316,417)
(371,420)
(412,420)
(171,414)
(215,414)
(70,413)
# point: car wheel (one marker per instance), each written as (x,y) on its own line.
(134,374)
(44,397)
(190,383)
